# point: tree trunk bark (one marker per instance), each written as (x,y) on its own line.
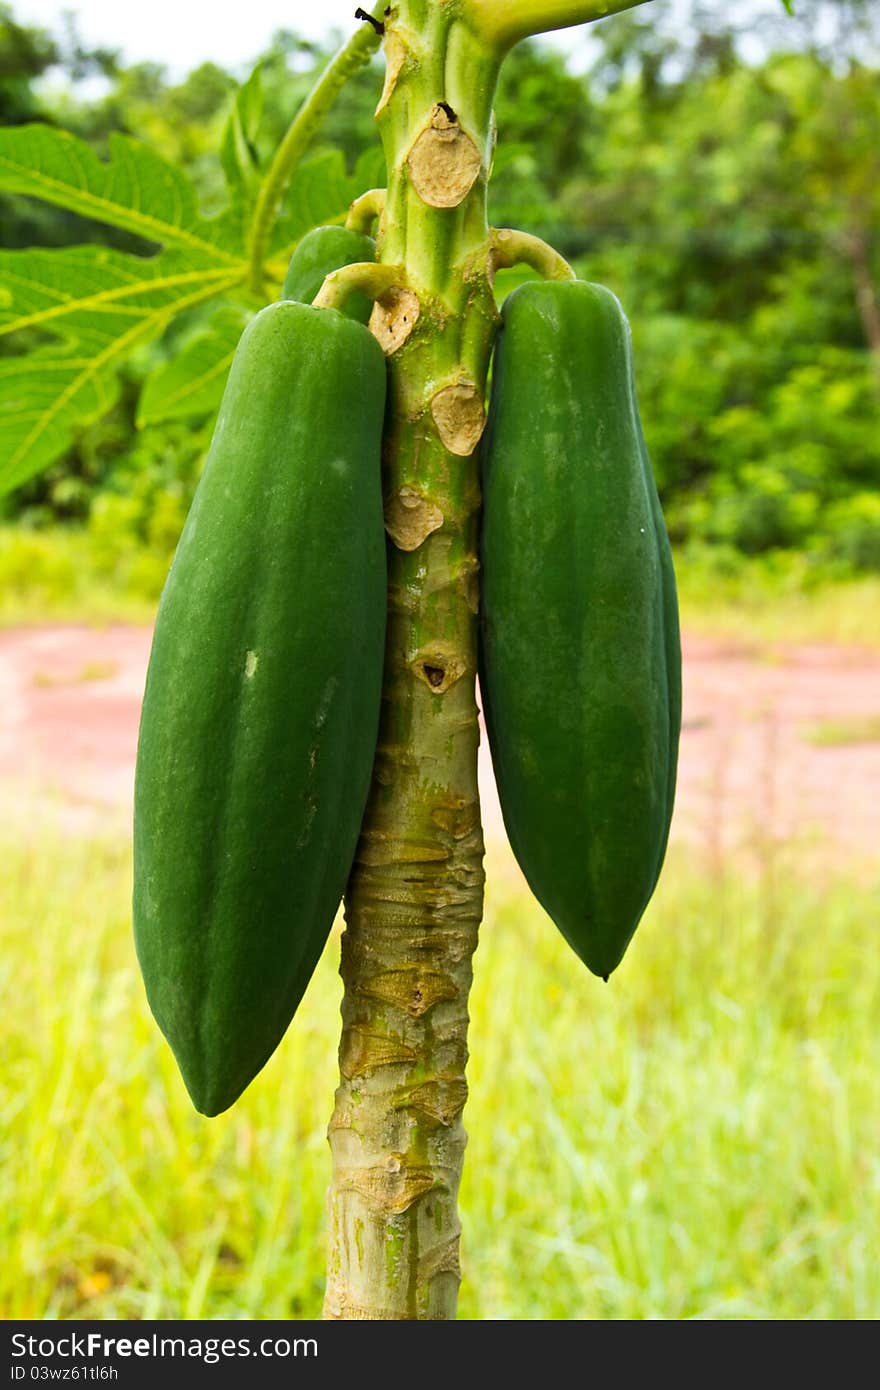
(414,899)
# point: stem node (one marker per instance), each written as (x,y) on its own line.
(365,210)
(371,278)
(509,248)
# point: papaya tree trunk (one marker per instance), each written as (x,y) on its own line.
(414,899)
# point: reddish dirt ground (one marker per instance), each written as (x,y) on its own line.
(70,696)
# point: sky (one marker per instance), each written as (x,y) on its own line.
(183,33)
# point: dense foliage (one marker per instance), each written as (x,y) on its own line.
(729,194)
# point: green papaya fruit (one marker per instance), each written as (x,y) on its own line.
(580,661)
(261,707)
(322,250)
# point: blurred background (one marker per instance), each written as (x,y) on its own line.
(699,1138)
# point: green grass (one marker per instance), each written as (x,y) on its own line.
(68,575)
(696,1139)
(88,672)
(59,575)
(774,599)
(841,733)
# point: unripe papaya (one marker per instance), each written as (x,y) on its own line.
(321,251)
(261,708)
(580,662)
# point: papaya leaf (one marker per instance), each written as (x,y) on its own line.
(370,171)
(321,191)
(92,307)
(83,310)
(136,190)
(318,193)
(191,382)
(238,153)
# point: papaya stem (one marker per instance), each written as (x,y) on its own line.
(509,248)
(365,209)
(365,277)
(350,58)
(414,898)
(502,23)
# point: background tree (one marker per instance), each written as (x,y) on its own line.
(721,178)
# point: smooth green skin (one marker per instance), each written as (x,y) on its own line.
(580,664)
(261,708)
(321,251)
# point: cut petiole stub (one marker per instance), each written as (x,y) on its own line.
(364,277)
(365,210)
(508,248)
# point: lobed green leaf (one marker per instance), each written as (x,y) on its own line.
(238,153)
(191,382)
(321,191)
(81,311)
(94,305)
(136,190)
